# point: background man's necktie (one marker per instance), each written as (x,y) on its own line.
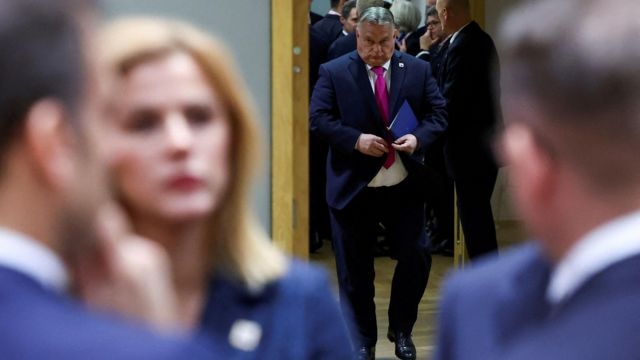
(382,99)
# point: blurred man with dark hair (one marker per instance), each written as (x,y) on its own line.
(51,186)
(571,142)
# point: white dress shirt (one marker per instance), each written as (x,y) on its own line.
(396,172)
(604,246)
(20,253)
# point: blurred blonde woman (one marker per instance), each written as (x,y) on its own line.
(183,148)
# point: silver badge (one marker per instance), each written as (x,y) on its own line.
(245,335)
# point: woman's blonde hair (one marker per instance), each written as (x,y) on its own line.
(236,245)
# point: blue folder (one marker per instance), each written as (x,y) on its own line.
(404,122)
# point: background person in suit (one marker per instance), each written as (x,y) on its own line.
(349,17)
(330,27)
(347,44)
(313,17)
(373,178)
(431,41)
(412,43)
(468,78)
(319,227)
(408,18)
(183,144)
(439,211)
(571,143)
(51,189)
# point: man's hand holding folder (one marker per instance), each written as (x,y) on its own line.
(401,127)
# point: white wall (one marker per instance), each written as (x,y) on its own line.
(321,6)
(245,25)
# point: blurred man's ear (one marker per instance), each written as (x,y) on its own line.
(50,144)
(531,169)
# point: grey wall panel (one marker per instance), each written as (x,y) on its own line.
(321,6)
(245,25)
(495,10)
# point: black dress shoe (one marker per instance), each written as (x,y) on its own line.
(366,353)
(405,349)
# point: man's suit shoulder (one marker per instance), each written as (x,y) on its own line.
(472,37)
(330,27)
(61,328)
(342,45)
(341,61)
(492,272)
(600,321)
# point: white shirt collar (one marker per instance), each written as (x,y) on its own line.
(20,253)
(455,34)
(609,243)
(333,12)
(372,75)
(385,66)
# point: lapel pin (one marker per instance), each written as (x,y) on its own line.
(401,65)
(245,335)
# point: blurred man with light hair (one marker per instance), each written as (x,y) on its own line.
(571,142)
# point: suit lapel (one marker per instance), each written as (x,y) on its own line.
(358,70)
(447,46)
(444,63)
(398,72)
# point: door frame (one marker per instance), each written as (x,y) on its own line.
(289,125)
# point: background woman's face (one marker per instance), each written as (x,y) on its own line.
(169,140)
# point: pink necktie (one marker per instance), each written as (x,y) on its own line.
(382,99)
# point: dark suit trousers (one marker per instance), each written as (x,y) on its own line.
(474,183)
(318,210)
(439,193)
(401,210)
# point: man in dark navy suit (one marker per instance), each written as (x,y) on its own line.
(313,16)
(571,144)
(346,44)
(50,188)
(349,17)
(374,178)
(468,76)
(330,26)
(439,211)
